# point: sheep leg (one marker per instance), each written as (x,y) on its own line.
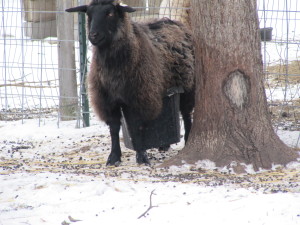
(187,120)
(142,157)
(141,154)
(114,158)
(187,102)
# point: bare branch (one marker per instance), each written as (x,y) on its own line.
(150,206)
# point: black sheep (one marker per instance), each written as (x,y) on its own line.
(133,65)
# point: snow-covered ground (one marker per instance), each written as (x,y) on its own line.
(58,199)
(51,175)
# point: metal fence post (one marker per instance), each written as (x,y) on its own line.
(83,69)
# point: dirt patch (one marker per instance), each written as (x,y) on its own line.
(286,116)
(18,113)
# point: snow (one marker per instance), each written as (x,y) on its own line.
(51,199)
(40,183)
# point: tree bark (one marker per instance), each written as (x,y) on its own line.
(231,119)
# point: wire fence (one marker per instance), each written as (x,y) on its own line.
(29,56)
(28,64)
(281,57)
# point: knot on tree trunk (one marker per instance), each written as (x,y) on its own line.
(237,88)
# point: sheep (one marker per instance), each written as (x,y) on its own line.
(133,64)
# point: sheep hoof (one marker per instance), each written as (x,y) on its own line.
(113,160)
(142,158)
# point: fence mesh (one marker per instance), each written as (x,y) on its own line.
(28,65)
(281,60)
(29,81)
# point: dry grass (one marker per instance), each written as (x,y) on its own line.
(284,114)
(284,72)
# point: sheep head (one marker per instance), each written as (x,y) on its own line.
(104,18)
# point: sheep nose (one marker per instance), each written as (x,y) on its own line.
(93,35)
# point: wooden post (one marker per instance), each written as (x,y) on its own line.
(68,102)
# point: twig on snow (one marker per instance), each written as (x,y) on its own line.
(150,206)
(72,219)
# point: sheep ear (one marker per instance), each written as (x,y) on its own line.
(125,8)
(82,8)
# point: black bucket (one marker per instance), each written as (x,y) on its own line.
(141,135)
(266,33)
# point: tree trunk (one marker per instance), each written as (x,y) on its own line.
(231,119)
